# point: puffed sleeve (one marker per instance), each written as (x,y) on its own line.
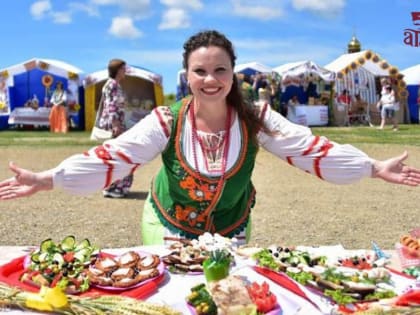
(115,158)
(328,160)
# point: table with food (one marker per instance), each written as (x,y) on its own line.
(209,275)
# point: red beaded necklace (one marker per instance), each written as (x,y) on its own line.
(225,140)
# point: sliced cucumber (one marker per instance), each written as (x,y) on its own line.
(35,257)
(43,257)
(58,258)
(83,244)
(68,243)
(47,245)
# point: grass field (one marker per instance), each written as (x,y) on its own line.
(407,135)
(292,207)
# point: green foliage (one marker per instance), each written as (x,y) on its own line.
(169,99)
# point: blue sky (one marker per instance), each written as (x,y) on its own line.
(150,33)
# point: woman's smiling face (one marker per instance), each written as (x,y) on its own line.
(210,74)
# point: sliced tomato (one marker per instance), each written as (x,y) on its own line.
(69,256)
(262,296)
(356,262)
(56,279)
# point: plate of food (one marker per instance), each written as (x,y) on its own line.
(349,280)
(61,264)
(124,272)
(232,295)
(187,256)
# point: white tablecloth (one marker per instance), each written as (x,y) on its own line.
(173,290)
(29,116)
(308,115)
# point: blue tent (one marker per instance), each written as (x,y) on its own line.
(36,78)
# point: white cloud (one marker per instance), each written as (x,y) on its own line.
(136,9)
(123,27)
(63,17)
(261,10)
(329,8)
(191,4)
(174,19)
(104,2)
(89,9)
(40,8)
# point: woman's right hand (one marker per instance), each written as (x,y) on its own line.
(25,183)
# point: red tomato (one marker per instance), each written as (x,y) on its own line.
(356,262)
(69,257)
(56,279)
(262,297)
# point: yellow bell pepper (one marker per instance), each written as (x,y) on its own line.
(47,299)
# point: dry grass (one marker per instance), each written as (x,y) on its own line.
(292,207)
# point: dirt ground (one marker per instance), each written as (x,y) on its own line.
(292,207)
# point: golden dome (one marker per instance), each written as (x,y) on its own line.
(354,45)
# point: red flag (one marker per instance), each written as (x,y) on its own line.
(416,18)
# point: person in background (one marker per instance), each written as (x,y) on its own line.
(293,101)
(58,118)
(208,144)
(113,118)
(358,108)
(245,84)
(344,97)
(388,107)
(264,94)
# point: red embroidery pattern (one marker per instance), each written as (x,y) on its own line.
(165,119)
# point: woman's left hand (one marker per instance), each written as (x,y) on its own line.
(395,171)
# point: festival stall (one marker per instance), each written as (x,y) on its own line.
(310,83)
(32,82)
(143,90)
(251,68)
(360,73)
(412,80)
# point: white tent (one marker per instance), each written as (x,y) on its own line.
(294,70)
(411,75)
(359,73)
(252,68)
(412,80)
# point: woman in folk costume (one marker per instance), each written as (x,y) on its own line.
(58,116)
(113,118)
(208,144)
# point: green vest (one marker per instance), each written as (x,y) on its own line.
(189,205)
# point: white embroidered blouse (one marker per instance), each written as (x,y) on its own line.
(89,172)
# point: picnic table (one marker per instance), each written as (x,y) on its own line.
(175,287)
